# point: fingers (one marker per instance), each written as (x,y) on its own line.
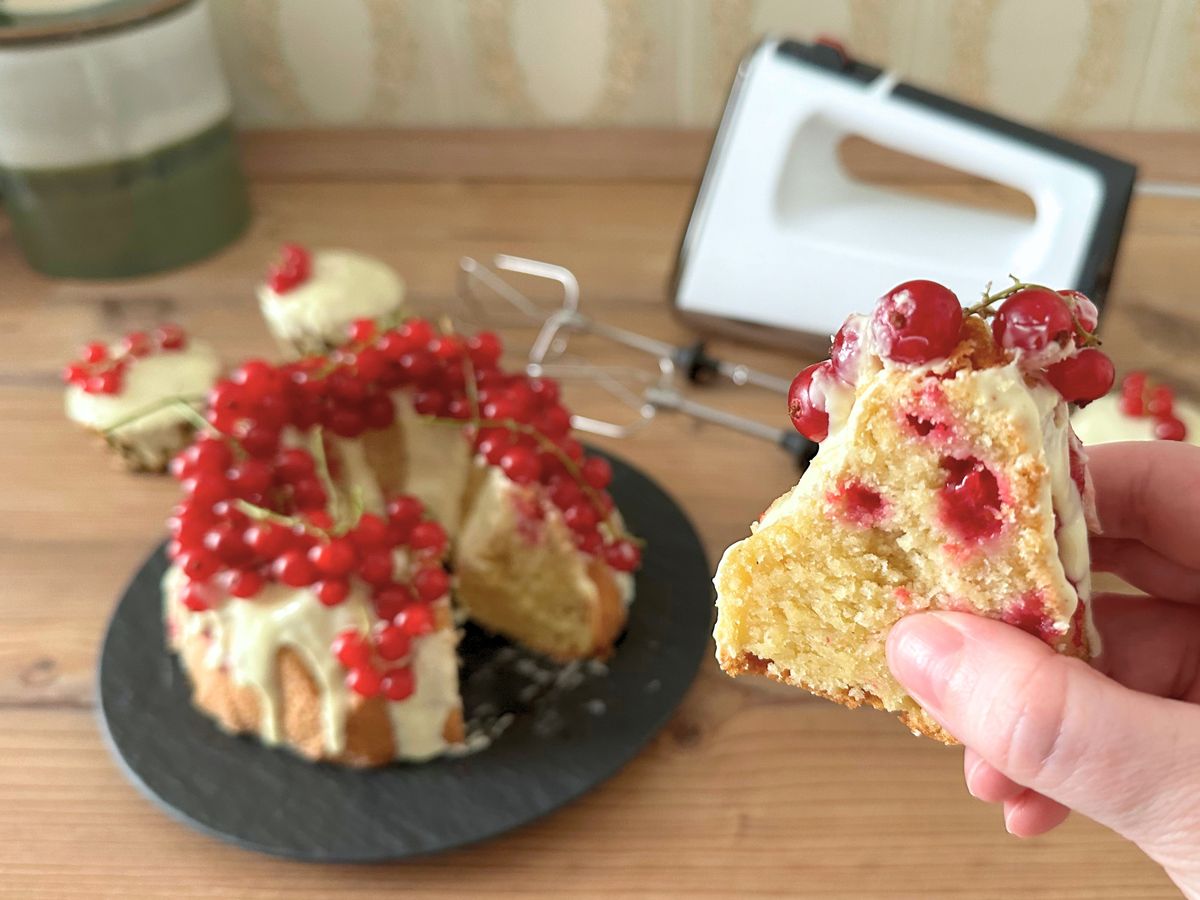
(987,783)
(1031,814)
(1055,725)
(1149,491)
(1145,568)
(1149,645)
(1026,813)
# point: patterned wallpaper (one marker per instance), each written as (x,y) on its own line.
(1067,63)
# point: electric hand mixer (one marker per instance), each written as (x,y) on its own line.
(783,243)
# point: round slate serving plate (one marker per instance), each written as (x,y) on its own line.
(568,729)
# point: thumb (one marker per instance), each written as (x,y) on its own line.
(1053,724)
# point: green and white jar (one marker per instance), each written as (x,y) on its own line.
(116,147)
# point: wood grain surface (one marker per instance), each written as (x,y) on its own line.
(753,789)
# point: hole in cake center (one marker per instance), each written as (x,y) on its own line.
(970,501)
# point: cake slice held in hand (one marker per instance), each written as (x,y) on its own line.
(948,478)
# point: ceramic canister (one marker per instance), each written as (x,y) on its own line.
(116,147)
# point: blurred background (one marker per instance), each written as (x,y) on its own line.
(462,63)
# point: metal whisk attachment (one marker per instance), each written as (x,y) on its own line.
(645,393)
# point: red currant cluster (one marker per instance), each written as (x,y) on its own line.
(100,370)
(292,270)
(374,661)
(1142,399)
(1049,332)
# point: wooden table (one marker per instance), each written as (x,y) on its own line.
(751,789)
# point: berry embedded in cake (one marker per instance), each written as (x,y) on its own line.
(340,509)
(141,393)
(310,298)
(948,477)
(1142,410)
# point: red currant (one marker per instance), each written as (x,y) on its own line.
(417,365)
(624,556)
(376,567)
(565,492)
(106,382)
(1160,401)
(267,539)
(1083,377)
(244,583)
(846,349)
(229,545)
(581,516)
(392,643)
(364,681)
(195,598)
(293,464)
(293,569)
(95,352)
(484,349)
(361,330)
(554,422)
(1084,310)
(292,270)
(414,620)
(198,564)
(428,537)
(336,558)
(431,584)
(137,343)
(589,542)
(521,465)
(1036,322)
(596,472)
(170,337)
(370,533)
(250,476)
(390,599)
(806,401)
(331,591)
(351,649)
(1170,428)
(398,684)
(917,322)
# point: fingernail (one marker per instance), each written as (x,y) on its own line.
(923,653)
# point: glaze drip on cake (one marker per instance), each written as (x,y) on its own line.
(947,478)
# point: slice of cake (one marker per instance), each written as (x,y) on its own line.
(948,477)
(310,298)
(342,507)
(136,393)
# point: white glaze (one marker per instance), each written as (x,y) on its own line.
(343,286)
(147,382)
(438,462)
(1102,422)
(356,475)
(246,636)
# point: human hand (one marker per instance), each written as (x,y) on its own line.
(1118,741)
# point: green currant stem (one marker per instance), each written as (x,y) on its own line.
(263,514)
(157,406)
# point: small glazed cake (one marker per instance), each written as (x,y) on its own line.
(309,298)
(133,393)
(342,509)
(1141,411)
(948,477)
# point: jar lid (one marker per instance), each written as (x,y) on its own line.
(38,21)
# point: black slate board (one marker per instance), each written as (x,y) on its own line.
(569,729)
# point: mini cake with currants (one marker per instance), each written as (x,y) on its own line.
(141,393)
(310,298)
(341,510)
(948,477)
(1143,410)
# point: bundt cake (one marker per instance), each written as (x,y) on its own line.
(948,477)
(309,298)
(136,393)
(343,508)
